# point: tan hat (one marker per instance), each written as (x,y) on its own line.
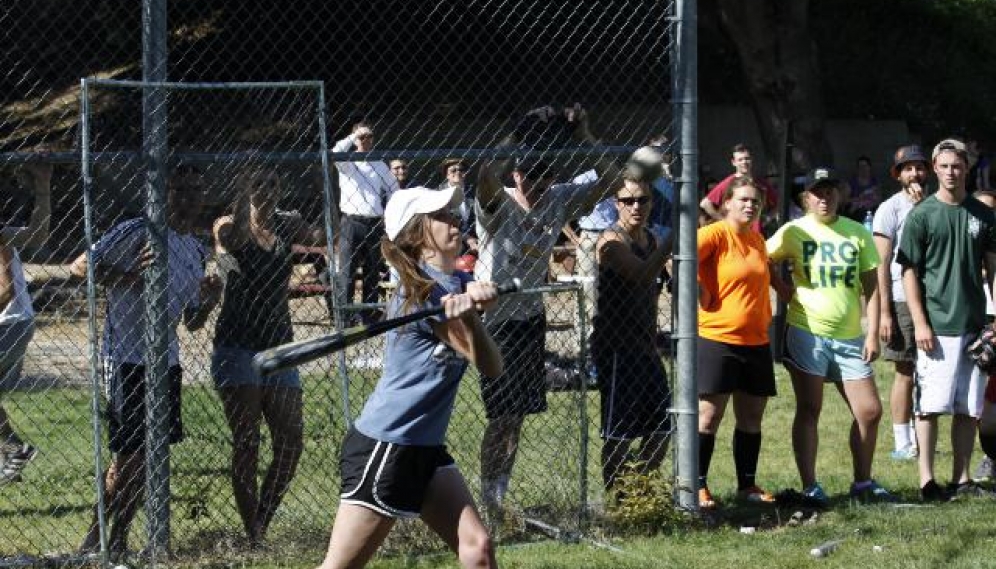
(952,145)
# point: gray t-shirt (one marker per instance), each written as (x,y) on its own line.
(414,398)
(889,220)
(517,243)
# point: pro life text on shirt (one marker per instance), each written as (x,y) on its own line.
(837,263)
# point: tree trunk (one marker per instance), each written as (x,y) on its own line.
(778,58)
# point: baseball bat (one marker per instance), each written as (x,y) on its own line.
(303,351)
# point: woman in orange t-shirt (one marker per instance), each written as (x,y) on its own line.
(733,353)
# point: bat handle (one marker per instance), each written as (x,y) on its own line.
(514,285)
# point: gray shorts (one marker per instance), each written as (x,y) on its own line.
(14,340)
(902,346)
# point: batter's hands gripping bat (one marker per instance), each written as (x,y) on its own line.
(296,353)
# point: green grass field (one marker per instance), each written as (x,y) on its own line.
(48,512)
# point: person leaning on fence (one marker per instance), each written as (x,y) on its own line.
(632,382)
(518,228)
(895,322)
(734,356)
(947,239)
(120,258)
(364,188)
(254,316)
(17,316)
(394,462)
(833,263)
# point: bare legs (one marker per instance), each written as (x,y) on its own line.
(866,409)
(124,482)
(245,408)
(448,510)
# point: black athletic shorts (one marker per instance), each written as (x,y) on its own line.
(521,389)
(388,478)
(126,407)
(634,393)
(725,368)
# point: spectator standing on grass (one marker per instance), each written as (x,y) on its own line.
(632,381)
(518,228)
(984,472)
(947,239)
(734,355)
(120,258)
(895,323)
(255,316)
(364,188)
(17,316)
(394,462)
(743,163)
(833,264)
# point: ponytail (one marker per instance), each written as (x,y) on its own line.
(403,255)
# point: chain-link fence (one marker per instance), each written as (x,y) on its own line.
(408,94)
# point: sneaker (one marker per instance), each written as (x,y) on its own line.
(815,494)
(15,459)
(871,492)
(904,454)
(985,471)
(755,495)
(931,492)
(706,501)
(968,490)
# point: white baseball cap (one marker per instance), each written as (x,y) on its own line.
(406,204)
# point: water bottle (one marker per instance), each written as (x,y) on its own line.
(868,220)
(825,549)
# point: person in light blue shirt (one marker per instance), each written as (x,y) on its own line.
(394,462)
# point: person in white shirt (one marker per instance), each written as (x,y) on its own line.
(364,188)
(518,227)
(17,315)
(120,259)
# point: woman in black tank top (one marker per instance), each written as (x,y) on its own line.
(254,243)
(632,381)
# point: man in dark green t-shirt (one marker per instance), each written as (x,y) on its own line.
(945,242)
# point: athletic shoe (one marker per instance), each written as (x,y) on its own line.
(871,492)
(16,457)
(968,490)
(816,495)
(931,492)
(706,501)
(904,454)
(755,495)
(985,471)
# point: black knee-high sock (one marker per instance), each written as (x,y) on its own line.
(707,443)
(988,443)
(746,448)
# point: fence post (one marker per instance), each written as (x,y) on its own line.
(686,397)
(154,117)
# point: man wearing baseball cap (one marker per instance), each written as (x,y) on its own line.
(909,168)
(946,240)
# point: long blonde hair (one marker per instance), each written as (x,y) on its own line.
(404,254)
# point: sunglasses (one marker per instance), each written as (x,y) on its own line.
(447,215)
(642,200)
